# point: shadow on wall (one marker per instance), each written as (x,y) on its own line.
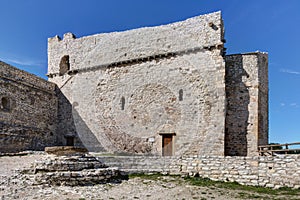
(72,130)
(15,138)
(238,98)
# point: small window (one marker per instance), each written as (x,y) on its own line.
(5,104)
(64,65)
(180,95)
(122,103)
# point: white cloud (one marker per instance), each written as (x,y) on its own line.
(294,105)
(289,71)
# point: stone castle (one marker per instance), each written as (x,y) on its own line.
(169,90)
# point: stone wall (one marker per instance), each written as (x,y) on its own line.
(247,103)
(107,48)
(143,164)
(28,111)
(274,172)
(124,91)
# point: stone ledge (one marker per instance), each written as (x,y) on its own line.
(65,150)
(75,178)
(71,171)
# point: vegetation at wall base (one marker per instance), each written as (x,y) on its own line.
(242,191)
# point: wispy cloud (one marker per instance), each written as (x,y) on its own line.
(294,105)
(23,62)
(288,71)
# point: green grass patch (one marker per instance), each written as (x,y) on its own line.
(205,182)
(244,190)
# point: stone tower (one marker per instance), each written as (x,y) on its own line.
(165,90)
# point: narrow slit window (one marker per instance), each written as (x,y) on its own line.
(122,103)
(180,95)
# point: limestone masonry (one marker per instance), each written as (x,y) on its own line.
(28,111)
(274,172)
(169,90)
(141,94)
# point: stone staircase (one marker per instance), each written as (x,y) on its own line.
(71,169)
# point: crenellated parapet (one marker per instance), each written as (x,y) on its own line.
(118,47)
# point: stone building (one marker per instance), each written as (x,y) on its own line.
(165,90)
(28,111)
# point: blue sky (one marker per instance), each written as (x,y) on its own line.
(271,26)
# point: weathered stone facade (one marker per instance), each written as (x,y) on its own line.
(28,111)
(246,124)
(166,90)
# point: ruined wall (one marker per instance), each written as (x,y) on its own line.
(28,111)
(127,89)
(247,103)
(274,172)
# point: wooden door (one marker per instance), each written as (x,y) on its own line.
(69,141)
(167,144)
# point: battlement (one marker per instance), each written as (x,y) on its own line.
(199,32)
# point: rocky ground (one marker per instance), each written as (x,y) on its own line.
(14,186)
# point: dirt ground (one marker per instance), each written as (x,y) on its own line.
(164,187)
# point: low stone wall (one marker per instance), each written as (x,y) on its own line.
(279,171)
(274,172)
(143,164)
